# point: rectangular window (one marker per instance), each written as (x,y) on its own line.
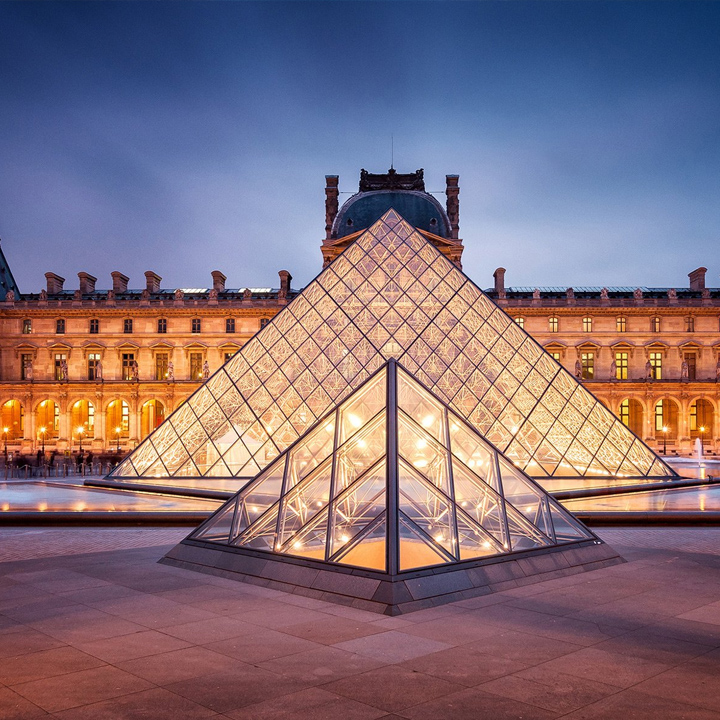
(587,359)
(27,327)
(520,321)
(128,359)
(553,324)
(161,366)
(196,363)
(587,324)
(60,326)
(196,325)
(162,325)
(691,360)
(94,326)
(625,412)
(92,362)
(264,322)
(229,325)
(555,356)
(689,324)
(621,324)
(127,326)
(60,358)
(228,355)
(656,365)
(655,324)
(621,366)
(25,363)
(659,418)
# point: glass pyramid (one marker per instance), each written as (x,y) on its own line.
(392,480)
(391,294)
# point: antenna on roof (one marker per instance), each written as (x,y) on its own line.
(392,152)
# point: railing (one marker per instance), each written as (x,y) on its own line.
(62,468)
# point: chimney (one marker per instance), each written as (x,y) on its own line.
(218,281)
(697,279)
(54,283)
(120,282)
(87,283)
(499,276)
(285,280)
(152,281)
(452,190)
(331,202)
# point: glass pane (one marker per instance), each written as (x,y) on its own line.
(310,452)
(566,528)
(523,535)
(260,495)
(369,552)
(310,541)
(473,451)
(362,407)
(473,541)
(421,406)
(362,451)
(416,550)
(423,453)
(262,534)
(526,498)
(217,527)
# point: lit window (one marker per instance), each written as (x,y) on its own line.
(655,324)
(60,326)
(27,327)
(621,324)
(656,365)
(196,363)
(659,416)
(128,360)
(587,324)
(60,358)
(229,325)
(196,325)
(555,356)
(94,326)
(520,321)
(161,366)
(228,355)
(689,324)
(162,325)
(625,412)
(621,366)
(587,360)
(264,322)
(127,325)
(92,362)
(553,324)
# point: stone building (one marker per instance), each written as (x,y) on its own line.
(101,368)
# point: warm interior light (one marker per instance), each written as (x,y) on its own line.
(80,430)
(344,538)
(354,420)
(421,443)
(428,420)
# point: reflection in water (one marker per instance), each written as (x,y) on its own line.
(703,499)
(52,497)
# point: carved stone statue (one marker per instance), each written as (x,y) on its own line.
(77,295)
(145,295)
(135,371)
(717,370)
(213,294)
(64,371)
(604,294)
(98,371)
(111,296)
(672,294)
(578,369)
(29,370)
(247,294)
(570,293)
(684,371)
(171,372)
(206,370)
(282,294)
(613,370)
(638,294)
(10,296)
(648,370)
(43,295)
(179,294)
(706,294)
(536,294)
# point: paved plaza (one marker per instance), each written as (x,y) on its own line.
(92,627)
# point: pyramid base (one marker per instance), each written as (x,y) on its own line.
(386,594)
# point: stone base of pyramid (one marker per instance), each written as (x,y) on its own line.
(386,594)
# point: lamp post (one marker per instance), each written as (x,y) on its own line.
(80,432)
(5,434)
(665,439)
(702,435)
(117,433)
(43,430)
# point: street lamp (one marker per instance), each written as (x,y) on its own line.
(80,432)
(665,439)
(5,434)
(43,430)
(117,433)
(702,435)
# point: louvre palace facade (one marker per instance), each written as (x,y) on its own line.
(101,367)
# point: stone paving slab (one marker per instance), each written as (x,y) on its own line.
(96,629)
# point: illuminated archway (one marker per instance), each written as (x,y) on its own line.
(152,414)
(13,420)
(702,418)
(82,415)
(117,420)
(48,416)
(666,419)
(632,415)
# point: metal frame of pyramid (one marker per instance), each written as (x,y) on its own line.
(391,294)
(391,502)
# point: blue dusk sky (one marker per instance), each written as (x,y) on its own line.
(188,137)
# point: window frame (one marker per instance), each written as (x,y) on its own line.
(621,324)
(128,326)
(196,326)
(553,324)
(94,326)
(587,323)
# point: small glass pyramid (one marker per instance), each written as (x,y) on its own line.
(392,480)
(391,294)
